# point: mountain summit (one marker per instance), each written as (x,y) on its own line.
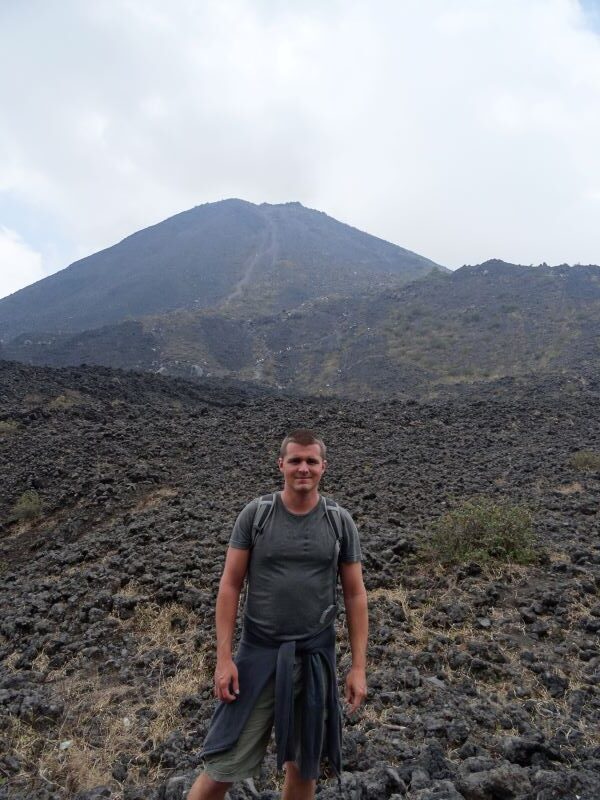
(226,254)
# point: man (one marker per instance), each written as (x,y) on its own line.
(290,546)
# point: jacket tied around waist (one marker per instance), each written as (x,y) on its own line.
(259,659)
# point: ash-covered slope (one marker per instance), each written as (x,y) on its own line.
(264,257)
(478,323)
(484,683)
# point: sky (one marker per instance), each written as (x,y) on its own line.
(461,129)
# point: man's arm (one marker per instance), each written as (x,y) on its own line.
(355,601)
(230,586)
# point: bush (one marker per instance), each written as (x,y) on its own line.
(483,530)
(28,506)
(585,461)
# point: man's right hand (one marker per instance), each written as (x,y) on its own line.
(226,679)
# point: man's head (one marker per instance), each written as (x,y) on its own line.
(302,460)
(305,437)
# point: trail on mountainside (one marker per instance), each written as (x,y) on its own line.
(267,252)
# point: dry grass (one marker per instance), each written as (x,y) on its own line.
(585,461)
(40,662)
(569,488)
(102,721)
(33,399)
(27,507)
(10,660)
(8,427)
(62,402)
(397,596)
(132,589)
(558,557)
(153,499)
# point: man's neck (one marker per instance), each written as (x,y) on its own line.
(299,502)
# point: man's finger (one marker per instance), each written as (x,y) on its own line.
(236,685)
(226,693)
(351,698)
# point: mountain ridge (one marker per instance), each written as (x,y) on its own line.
(231,252)
(478,323)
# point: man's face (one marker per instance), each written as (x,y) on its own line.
(302,466)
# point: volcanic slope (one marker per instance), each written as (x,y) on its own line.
(478,323)
(118,495)
(233,253)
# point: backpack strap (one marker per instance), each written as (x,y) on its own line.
(264,509)
(334,516)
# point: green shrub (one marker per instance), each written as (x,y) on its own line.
(483,530)
(8,426)
(28,506)
(585,461)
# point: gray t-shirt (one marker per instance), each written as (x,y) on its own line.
(291,574)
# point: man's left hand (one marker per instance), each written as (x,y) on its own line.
(356,688)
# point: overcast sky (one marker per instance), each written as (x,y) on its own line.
(461,129)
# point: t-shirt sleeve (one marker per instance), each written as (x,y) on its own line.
(241,537)
(350,548)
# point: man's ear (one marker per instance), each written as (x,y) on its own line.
(324,465)
(280,462)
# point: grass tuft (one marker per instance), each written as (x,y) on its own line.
(585,461)
(28,506)
(8,427)
(65,401)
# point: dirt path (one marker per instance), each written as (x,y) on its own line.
(266,253)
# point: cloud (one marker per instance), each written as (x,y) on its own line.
(20,265)
(463,131)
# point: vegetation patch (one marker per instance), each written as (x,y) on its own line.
(484,530)
(28,506)
(8,427)
(585,461)
(65,401)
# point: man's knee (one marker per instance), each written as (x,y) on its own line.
(206,788)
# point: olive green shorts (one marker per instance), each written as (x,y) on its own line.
(243,760)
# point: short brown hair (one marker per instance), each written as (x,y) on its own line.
(305,437)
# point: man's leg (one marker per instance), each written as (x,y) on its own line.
(222,770)
(205,788)
(295,788)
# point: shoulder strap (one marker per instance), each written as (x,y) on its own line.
(334,516)
(264,509)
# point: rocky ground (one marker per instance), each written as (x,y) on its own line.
(484,679)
